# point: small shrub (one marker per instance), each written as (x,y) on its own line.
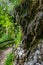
(9,59)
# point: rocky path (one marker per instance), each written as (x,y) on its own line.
(3,55)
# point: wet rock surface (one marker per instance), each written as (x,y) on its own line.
(29,52)
(35,57)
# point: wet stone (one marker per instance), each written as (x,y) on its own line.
(41,63)
(37,52)
(36,58)
(38,64)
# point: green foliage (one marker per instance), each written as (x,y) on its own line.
(16,2)
(9,59)
(6,25)
(8,28)
(18,35)
(9,4)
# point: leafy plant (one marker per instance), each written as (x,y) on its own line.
(8,28)
(9,59)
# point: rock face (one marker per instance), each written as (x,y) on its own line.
(24,54)
(30,16)
(35,57)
